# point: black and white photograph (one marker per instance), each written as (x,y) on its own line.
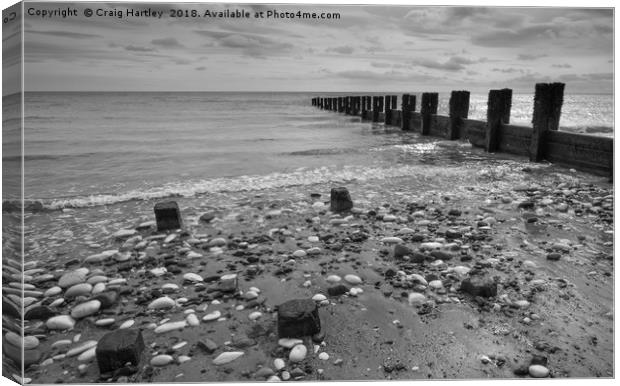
(210,192)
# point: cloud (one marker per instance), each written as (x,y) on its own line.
(166,42)
(139,49)
(201,68)
(344,50)
(561,65)
(531,56)
(65,34)
(455,63)
(250,45)
(380,64)
(508,70)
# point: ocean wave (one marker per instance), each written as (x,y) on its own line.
(300,177)
(329,151)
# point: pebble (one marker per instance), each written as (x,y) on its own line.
(170,238)
(105,322)
(314,251)
(61,343)
(250,295)
(218,242)
(159,271)
(52,292)
(193,277)
(212,316)
(85,309)
(522,303)
(98,288)
(430,245)
(313,239)
(461,270)
(418,278)
(126,324)
(87,355)
(161,360)
(72,278)
(319,297)
(61,322)
(273,378)
(389,218)
(171,326)
(286,375)
(255,315)
(355,291)
(289,342)
(416,298)
(161,303)
(169,287)
(279,364)
(193,255)
(124,233)
(81,348)
(183,359)
(333,279)
(299,253)
(192,320)
(97,279)
(538,371)
(353,279)
(392,240)
(57,302)
(435,284)
(324,356)
(298,353)
(227,357)
(179,345)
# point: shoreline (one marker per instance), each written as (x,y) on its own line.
(446,335)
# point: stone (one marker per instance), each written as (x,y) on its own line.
(207,345)
(61,322)
(479,286)
(16,354)
(352,279)
(416,299)
(324,356)
(207,217)
(337,290)
(124,233)
(333,279)
(401,251)
(170,326)
(227,357)
(81,289)
(215,315)
(298,353)
(163,302)
(255,315)
(392,240)
(319,297)
(161,360)
(53,291)
(192,277)
(228,283)
(117,348)
(340,200)
(192,320)
(538,371)
(299,253)
(279,364)
(39,313)
(81,348)
(297,318)
(289,342)
(264,372)
(105,322)
(85,309)
(107,299)
(554,256)
(167,216)
(72,278)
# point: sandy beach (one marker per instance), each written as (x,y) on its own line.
(387,278)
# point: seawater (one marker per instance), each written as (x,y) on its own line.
(90,149)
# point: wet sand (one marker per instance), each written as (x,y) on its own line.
(500,222)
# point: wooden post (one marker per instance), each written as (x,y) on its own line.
(339,104)
(547,110)
(387,116)
(428,108)
(408,106)
(394,102)
(358,105)
(459,109)
(377,107)
(498,113)
(363,107)
(368,102)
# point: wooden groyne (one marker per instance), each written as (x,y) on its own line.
(541,142)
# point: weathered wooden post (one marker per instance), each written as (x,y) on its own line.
(498,113)
(388,113)
(347,105)
(459,109)
(377,107)
(548,100)
(363,106)
(368,102)
(333,103)
(167,216)
(394,102)
(313,101)
(339,104)
(428,108)
(358,105)
(408,106)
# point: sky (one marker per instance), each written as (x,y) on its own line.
(369,48)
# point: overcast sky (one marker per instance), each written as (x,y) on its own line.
(370,48)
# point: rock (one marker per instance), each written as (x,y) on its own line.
(324,356)
(126,324)
(263,372)
(107,299)
(279,364)
(337,290)
(207,217)
(528,205)
(392,240)
(352,279)
(161,360)
(61,322)
(255,315)
(56,290)
(192,277)
(39,313)
(167,216)
(218,242)
(340,200)
(416,299)
(319,297)
(170,326)
(297,318)
(207,345)
(215,315)
(16,354)
(299,253)
(87,355)
(289,342)
(228,283)
(435,284)
(163,302)
(298,353)
(538,360)
(124,233)
(105,322)
(117,348)
(81,348)
(538,371)
(479,286)
(554,256)
(400,251)
(389,218)
(72,278)
(85,309)
(440,255)
(430,246)
(522,303)
(192,320)
(333,279)
(81,289)
(227,357)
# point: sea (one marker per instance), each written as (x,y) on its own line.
(85,149)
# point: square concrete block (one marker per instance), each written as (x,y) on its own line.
(168,216)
